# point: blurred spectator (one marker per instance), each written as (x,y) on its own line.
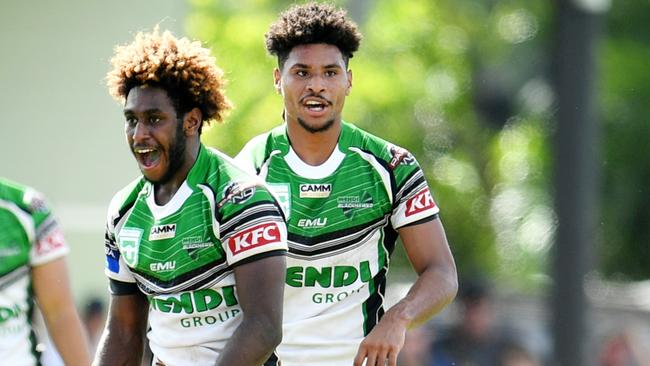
(93,317)
(623,349)
(476,340)
(513,354)
(416,350)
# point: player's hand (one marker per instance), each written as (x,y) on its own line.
(383,344)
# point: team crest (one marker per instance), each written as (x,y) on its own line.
(282,193)
(129,243)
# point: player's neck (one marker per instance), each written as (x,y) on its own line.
(313,148)
(164,192)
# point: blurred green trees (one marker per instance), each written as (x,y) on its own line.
(465,86)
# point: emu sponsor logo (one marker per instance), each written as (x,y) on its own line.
(254,237)
(420,202)
(315,190)
(162,267)
(318,222)
(160,232)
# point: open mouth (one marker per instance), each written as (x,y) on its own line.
(315,105)
(147,157)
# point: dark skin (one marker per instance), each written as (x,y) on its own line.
(152,133)
(261,328)
(122,342)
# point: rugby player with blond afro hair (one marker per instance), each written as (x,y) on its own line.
(195,243)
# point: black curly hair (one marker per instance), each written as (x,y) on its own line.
(312,23)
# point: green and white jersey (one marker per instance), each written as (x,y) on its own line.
(342,226)
(29,236)
(182,255)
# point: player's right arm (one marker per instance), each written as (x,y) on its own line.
(122,342)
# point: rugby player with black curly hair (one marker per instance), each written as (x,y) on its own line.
(350,196)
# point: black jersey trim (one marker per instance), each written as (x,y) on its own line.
(33,340)
(253,258)
(420,221)
(374,305)
(237,220)
(273,360)
(119,288)
(408,187)
(386,165)
(185,282)
(123,211)
(12,275)
(312,240)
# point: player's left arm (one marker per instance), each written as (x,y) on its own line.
(260,287)
(53,294)
(427,249)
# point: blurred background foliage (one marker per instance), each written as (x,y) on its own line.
(466,86)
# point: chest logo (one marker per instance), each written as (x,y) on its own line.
(349,204)
(282,193)
(162,267)
(160,232)
(315,190)
(318,222)
(129,243)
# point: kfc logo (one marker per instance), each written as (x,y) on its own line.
(254,237)
(50,242)
(420,202)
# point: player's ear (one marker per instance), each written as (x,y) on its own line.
(192,122)
(277,80)
(347,90)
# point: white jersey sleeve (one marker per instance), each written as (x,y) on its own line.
(413,199)
(49,243)
(115,268)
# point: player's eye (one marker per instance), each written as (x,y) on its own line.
(301,73)
(330,73)
(153,120)
(131,121)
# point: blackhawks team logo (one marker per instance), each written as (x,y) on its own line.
(282,192)
(129,243)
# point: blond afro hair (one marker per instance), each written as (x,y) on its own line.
(183,68)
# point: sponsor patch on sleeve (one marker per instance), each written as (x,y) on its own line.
(237,193)
(35,201)
(254,237)
(50,242)
(112,254)
(419,203)
(399,156)
(113,260)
